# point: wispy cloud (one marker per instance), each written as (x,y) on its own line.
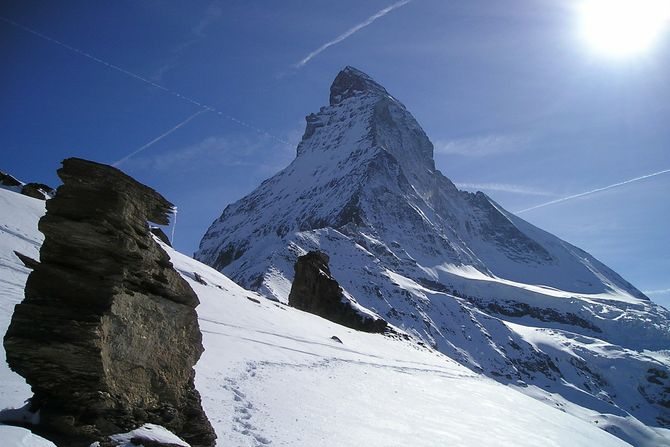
(481,146)
(351,31)
(146,81)
(212,14)
(156,140)
(506,187)
(210,151)
(593,191)
(259,153)
(657,292)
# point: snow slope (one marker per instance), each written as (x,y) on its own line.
(450,267)
(272,375)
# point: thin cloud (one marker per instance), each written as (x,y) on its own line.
(213,13)
(147,81)
(213,152)
(657,292)
(156,140)
(351,31)
(593,191)
(506,187)
(482,146)
(210,151)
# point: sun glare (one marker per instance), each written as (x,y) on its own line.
(623,27)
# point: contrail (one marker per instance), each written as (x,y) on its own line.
(157,139)
(593,191)
(145,80)
(351,31)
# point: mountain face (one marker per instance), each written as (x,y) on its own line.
(450,267)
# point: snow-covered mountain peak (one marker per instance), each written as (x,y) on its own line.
(350,82)
(363,116)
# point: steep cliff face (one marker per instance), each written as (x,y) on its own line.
(107,335)
(315,290)
(451,267)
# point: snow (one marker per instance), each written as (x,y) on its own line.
(148,432)
(272,375)
(21,437)
(18,232)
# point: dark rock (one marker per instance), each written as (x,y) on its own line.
(8,180)
(107,334)
(160,234)
(199,278)
(351,81)
(315,290)
(27,260)
(336,338)
(37,191)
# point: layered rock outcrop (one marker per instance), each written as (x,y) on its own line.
(315,290)
(107,335)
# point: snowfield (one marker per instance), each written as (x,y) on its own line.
(272,375)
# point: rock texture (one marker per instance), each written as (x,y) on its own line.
(107,335)
(315,290)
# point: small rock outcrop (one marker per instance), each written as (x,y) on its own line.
(315,290)
(9,181)
(35,190)
(107,335)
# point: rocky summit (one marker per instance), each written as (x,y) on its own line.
(451,268)
(107,335)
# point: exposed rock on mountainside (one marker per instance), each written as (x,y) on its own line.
(315,290)
(451,267)
(34,190)
(107,335)
(8,180)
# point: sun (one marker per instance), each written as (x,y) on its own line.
(622,28)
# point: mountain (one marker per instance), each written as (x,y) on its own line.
(273,375)
(452,268)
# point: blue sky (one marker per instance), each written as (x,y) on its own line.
(516,102)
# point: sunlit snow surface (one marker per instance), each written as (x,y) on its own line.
(148,432)
(272,375)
